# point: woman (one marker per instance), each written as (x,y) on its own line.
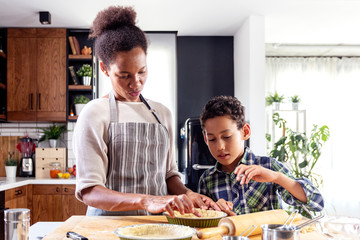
(122,142)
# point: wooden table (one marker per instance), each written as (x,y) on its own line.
(102,227)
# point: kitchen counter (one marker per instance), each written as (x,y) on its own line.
(9,183)
(102,227)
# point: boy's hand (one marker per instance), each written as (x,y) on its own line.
(226,206)
(255,172)
(202,201)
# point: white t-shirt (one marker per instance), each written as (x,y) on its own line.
(90,138)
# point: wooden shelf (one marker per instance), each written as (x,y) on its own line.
(2,86)
(2,116)
(79,87)
(73,117)
(88,57)
(2,54)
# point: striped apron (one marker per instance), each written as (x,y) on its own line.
(137,154)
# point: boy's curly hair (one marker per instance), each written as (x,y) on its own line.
(224,106)
(114,31)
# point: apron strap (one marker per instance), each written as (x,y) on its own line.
(149,107)
(113,110)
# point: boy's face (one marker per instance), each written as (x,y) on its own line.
(226,141)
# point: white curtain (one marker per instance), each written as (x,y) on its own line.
(329,88)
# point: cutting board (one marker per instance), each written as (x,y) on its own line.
(102,227)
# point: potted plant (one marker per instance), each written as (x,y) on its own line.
(295,102)
(85,72)
(11,166)
(53,134)
(80,102)
(274,100)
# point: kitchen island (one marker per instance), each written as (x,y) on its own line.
(103,227)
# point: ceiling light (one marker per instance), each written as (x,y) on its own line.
(45,17)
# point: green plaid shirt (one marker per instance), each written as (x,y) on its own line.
(256,196)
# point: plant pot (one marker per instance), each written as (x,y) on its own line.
(78,108)
(295,106)
(276,106)
(86,81)
(10,171)
(53,143)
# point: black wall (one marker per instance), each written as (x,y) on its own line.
(205,69)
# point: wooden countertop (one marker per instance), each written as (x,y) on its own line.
(102,227)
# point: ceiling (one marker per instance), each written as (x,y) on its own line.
(286,21)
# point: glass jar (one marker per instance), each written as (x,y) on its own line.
(55,168)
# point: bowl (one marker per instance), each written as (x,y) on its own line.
(210,218)
(340,227)
(279,232)
(155,232)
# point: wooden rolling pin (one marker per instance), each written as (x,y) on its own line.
(236,225)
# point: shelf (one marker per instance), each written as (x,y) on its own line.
(79,87)
(2,116)
(80,57)
(2,86)
(2,54)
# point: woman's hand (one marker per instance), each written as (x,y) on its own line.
(158,204)
(226,206)
(255,172)
(202,201)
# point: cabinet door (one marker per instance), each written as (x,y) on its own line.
(16,198)
(51,75)
(21,75)
(71,206)
(47,203)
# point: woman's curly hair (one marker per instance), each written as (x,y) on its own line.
(114,31)
(224,106)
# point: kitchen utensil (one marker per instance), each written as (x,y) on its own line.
(195,221)
(155,231)
(289,220)
(235,225)
(27,146)
(241,237)
(75,236)
(285,232)
(17,224)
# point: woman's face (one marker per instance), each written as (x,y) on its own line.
(128,74)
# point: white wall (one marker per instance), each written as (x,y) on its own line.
(249,75)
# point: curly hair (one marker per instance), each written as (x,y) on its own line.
(224,106)
(114,31)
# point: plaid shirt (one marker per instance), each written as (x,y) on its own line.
(256,196)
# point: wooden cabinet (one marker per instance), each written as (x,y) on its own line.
(16,198)
(2,74)
(77,87)
(55,203)
(36,74)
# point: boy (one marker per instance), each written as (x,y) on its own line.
(241,181)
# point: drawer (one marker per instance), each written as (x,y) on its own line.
(15,193)
(44,189)
(50,152)
(45,162)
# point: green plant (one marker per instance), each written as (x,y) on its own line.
(295,99)
(85,71)
(10,161)
(81,99)
(274,98)
(299,151)
(53,132)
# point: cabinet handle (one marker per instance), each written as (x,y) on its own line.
(31,101)
(18,192)
(66,190)
(39,97)
(57,189)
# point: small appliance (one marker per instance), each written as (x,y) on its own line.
(27,168)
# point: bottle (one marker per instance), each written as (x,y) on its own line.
(55,168)
(17,223)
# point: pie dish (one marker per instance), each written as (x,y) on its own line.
(155,232)
(209,218)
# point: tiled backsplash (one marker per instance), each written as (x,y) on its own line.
(33,131)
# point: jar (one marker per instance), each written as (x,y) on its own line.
(55,168)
